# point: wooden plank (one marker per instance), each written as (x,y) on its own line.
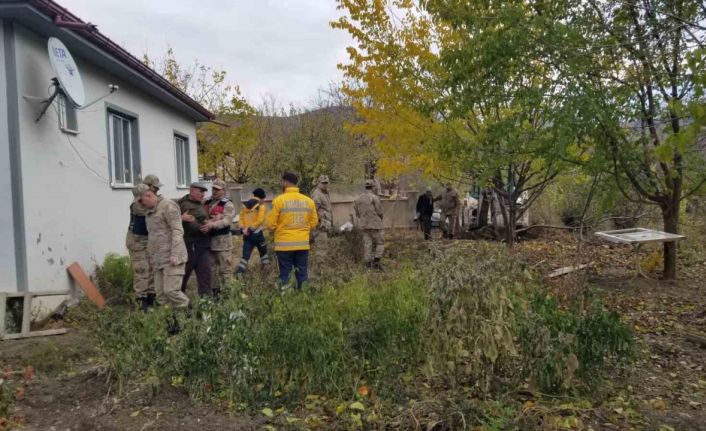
(86,284)
(44,333)
(40,293)
(568,269)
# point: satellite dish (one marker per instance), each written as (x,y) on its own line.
(66,71)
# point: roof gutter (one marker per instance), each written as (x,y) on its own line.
(64,18)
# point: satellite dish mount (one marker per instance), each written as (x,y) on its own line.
(67,79)
(46,103)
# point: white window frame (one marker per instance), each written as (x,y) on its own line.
(68,117)
(128,132)
(182,153)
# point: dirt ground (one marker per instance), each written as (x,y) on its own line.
(665,388)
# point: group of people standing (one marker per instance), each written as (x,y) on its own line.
(168,240)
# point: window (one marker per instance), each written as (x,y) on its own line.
(183,161)
(67,114)
(124,149)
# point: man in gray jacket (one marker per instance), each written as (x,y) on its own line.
(368,216)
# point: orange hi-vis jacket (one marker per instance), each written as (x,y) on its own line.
(252,218)
(292,218)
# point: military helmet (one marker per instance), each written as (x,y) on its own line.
(369,184)
(218,184)
(152,180)
(323,179)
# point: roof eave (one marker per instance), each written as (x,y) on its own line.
(113,59)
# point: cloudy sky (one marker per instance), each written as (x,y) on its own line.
(284,48)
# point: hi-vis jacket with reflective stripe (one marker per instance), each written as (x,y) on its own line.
(252,218)
(292,218)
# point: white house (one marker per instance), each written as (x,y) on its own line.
(66,180)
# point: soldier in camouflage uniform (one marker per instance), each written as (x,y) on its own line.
(322,199)
(221,212)
(166,248)
(153,182)
(368,216)
(450,206)
(136,243)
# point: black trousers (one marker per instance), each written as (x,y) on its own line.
(199,261)
(425,223)
(250,243)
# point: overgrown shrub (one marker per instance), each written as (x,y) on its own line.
(252,345)
(114,279)
(475,317)
(472,315)
(560,346)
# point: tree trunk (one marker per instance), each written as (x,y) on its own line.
(510,223)
(670,217)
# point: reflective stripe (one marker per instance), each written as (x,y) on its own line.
(292,244)
(295,210)
(258,230)
(243,261)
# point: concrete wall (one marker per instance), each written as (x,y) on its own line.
(71,211)
(8,279)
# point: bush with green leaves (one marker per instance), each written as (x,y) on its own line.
(476,318)
(114,279)
(563,346)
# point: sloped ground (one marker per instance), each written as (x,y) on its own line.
(664,389)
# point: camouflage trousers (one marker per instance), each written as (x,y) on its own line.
(319,242)
(449,222)
(142,276)
(221,264)
(167,283)
(373,244)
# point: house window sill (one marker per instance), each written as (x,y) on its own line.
(69,131)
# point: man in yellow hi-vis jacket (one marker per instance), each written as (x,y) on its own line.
(292,218)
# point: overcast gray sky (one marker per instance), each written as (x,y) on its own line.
(284,48)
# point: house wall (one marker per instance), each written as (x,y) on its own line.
(71,211)
(8,279)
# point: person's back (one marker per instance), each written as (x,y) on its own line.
(292,218)
(368,211)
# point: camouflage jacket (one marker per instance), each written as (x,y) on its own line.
(450,201)
(221,213)
(368,211)
(323,209)
(166,237)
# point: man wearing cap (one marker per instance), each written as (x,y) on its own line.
(368,213)
(136,243)
(292,218)
(220,216)
(198,244)
(425,209)
(322,199)
(153,182)
(165,246)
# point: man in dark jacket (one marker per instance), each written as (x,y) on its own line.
(425,209)
(198,244)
